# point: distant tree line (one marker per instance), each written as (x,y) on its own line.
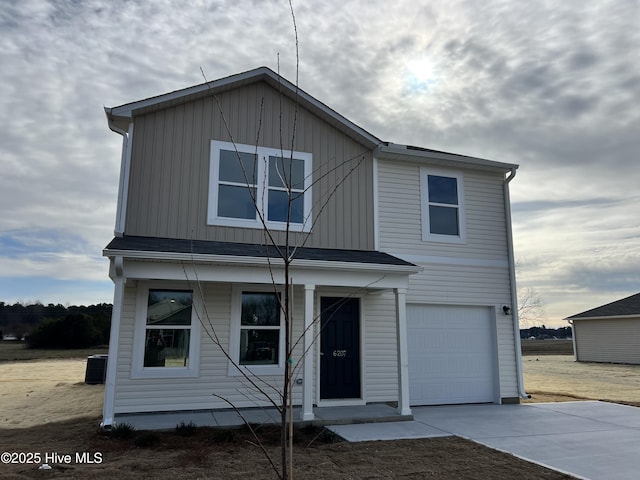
(543,333)
(57,326)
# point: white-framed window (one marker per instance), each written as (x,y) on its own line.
(167,332)
(257,331)
(241,173)
(442,198)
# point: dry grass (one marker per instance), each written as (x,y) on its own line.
(46,408)
(547,347)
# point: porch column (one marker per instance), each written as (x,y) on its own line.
(403,354)
(307,370)
(114,339)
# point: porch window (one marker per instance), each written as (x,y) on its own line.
(168,328)
(248,182)
(167,333)
(260,324)
(442,206)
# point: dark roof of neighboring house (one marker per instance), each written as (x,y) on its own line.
(203,247)
(620,308)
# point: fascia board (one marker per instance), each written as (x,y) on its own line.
(400,152)
(128,110)
(138,269)
(263,261)
(606,317)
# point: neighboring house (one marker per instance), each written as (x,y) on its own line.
(409,265)
(609,333)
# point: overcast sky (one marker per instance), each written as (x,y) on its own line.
(551,85)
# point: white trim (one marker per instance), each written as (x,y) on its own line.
(307,368)
(376,206)
(257,274)
(138,370)
(261,73)
(123,182)
(452,261)
(263,261)
(427,236)
(606,317)
(393,151)
(262,187)
(234,368)
(513,286)
(404,403)
(112,360)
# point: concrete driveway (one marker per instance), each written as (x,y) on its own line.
(592,440)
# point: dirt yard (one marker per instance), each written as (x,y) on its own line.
(46,408)
(546,376)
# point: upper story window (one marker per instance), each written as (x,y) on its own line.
(442,195)
(248,181)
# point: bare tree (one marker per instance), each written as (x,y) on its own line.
(531,311)
(280,257)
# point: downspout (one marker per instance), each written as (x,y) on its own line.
(125,166)
(573,339)
(514,289)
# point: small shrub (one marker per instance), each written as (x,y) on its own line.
(123,431)
(186,429)
(327,436)
(147,440)
(223,436)
(323,435)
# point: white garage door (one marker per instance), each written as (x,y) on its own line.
(451,355)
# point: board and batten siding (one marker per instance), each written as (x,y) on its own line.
(473,273)
(607,340)
(169,178)
(169,394)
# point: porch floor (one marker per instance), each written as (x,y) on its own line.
(371,413)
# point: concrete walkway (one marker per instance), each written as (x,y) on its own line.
(591,440)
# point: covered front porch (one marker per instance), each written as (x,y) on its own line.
(223,273)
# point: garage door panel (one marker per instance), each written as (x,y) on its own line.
(451,355)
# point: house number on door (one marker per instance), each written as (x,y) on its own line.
(339,353)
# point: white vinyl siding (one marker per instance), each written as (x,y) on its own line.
(167,394)
(607,340)
(381,351)
(472,273)
(400,216)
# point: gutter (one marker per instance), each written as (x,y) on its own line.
(125,167)
(514,289)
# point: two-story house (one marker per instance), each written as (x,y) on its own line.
(403,288)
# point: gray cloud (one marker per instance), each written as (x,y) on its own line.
(553,87)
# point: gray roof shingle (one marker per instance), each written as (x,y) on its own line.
(202,247)
(625,307)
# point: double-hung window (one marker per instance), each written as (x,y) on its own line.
(442,195)
(166,333)
(257,340)
(248,183)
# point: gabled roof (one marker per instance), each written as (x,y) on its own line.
(124,113)
(627,307)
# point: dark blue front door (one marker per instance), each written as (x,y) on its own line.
(340,348)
